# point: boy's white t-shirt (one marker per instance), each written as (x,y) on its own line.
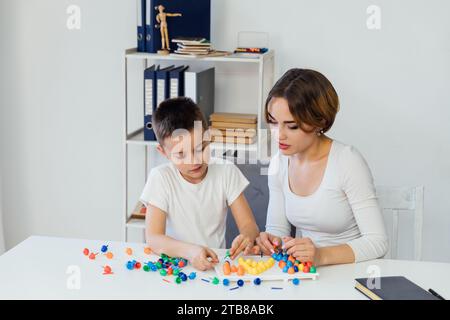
(196,213)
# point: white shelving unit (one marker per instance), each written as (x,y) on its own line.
(262,64)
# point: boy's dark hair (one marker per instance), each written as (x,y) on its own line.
(176,113)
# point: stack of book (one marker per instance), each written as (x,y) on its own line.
(236,128)
(196,48)
(192,46)
(139,211)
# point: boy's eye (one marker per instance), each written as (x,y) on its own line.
(201,148)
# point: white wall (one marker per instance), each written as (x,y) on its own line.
(393,84)
(62,97)
(61,117)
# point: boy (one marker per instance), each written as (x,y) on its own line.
(187,198)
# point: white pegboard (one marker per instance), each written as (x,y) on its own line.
(272,274)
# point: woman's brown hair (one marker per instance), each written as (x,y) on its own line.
(311,98)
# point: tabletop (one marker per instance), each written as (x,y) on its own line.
(56,268)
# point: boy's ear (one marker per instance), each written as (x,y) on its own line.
(161,150)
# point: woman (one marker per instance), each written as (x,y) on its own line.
(320,186)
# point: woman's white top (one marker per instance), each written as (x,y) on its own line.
(343,210)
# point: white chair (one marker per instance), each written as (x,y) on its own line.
(397,201)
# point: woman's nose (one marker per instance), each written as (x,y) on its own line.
(281,133)
(278,134)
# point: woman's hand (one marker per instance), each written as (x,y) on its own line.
(202,258)
(267,242)
(303,249)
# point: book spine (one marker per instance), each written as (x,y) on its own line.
(230,125)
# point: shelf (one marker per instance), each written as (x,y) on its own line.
(261,64)
(136,223)
(133,54)
(137,137)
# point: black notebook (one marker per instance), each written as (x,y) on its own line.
(392,288)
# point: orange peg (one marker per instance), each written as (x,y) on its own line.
(226,268)
(241,270)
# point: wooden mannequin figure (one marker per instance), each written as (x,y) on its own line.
(161,18)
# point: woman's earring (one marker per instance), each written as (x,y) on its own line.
(319,132)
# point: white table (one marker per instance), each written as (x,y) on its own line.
(37,269)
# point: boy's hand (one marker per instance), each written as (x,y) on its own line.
(202,258)
(266,242)
(242,243)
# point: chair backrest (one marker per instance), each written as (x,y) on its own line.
(398,201)
(257,194)
(395,202)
